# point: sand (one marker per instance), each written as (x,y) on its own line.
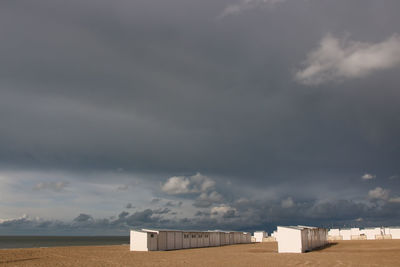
(341,253)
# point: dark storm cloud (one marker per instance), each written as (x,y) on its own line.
(145,88)
(84,224)
(173,204)
(109,90)
(129,206)
(83,218)
(263,216)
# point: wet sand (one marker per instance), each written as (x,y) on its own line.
(341,253)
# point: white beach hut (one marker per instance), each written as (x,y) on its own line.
(355,233)
(151,240)
(345,233)
(334,234)
(144,240)
(299,239)
(259,235)
(373,233)
(394,232)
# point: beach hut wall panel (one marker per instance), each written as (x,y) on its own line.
(162,241)
(221,238)
(323,237)
(200,240)
(186,240)
(231,238)
(193,240)
(152,241)
(217,239)
(245,237)
(213,239)
(236,237)
(207,242)
(224,237)
(206,239)
(178,240)
(227,242)
(170,240)
(242,238)
(248,238)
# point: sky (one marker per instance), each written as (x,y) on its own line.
(183,114)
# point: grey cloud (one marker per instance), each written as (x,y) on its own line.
(395,199)
(129,206)
(157,93)
(179,185)
(287,203)
(242,5)
(162,211)
(53,186)
(174,204)
(123,214)
(140,217)
(155,200)
(83,218)
(378,193)
(337,59)
(265,215)
(230,214)
(368,176)
(123,187)
(202,213)
(207,199)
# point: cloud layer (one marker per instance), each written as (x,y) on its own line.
(130,114)
(338,59)
(234,9)
(185,185)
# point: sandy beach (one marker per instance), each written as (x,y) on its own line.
(342,253)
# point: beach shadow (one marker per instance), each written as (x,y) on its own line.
(19,260)
(325,246)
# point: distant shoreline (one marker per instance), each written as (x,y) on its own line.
(16,242)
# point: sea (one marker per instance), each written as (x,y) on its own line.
(60,241)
